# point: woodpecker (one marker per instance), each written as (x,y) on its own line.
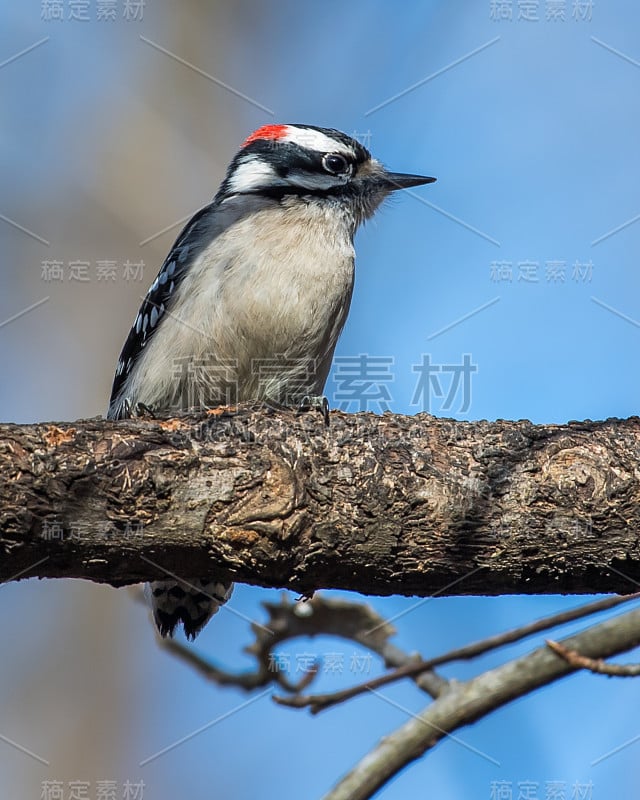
(251,300)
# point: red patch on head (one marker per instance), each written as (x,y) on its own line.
(272,132)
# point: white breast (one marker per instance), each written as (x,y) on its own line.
(269,296)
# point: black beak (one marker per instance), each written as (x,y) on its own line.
(398,180)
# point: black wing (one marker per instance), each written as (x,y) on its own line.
(186,248)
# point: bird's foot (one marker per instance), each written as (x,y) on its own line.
(139,410)
(315,403)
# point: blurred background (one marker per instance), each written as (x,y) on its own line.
(508,289)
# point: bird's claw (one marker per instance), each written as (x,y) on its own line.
(143,410)
(315,403)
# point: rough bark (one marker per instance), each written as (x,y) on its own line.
(381,505)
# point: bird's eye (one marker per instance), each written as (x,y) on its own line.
(335,163)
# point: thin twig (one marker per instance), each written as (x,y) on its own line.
(357,622)
(208,670)
(320,702)
(596,665)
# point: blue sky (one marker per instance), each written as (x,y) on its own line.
(522,256)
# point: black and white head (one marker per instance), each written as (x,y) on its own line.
(284,161)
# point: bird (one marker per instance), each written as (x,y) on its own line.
(251,300)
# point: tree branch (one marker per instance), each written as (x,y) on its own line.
(322,616)
(468,701)
(412,669)
(381,505)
